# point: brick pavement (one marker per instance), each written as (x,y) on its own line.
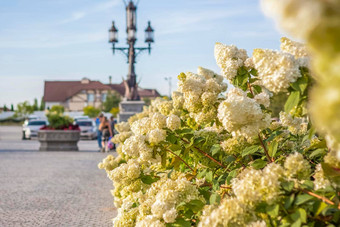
(54,189)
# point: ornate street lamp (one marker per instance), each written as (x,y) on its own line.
(131,52)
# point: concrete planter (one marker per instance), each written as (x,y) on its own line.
(58,140)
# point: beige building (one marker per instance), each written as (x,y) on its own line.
(75,95)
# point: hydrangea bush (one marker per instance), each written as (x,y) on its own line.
(215,157)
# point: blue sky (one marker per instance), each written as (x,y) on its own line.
(67,40)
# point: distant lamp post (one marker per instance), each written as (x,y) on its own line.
(131,52)
(169,80)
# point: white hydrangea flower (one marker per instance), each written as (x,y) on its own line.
(121,137)
(192,101)
(170,216)
(320,181)
(254,186)
(178,99)
(257,224)
(173,122)
(133,170)
(263,98)
(156,136)
(276,69)
(288,12)
(230,212)
(249,63)
(158,120)
(208,98)
(297,167)
(192,83)
(150,221)
(122,127)
(242,115)
(141,126)
(295,125)
(229,59)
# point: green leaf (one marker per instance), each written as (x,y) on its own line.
(273,210)
(300,199)
(272,148)
(292,101)
(215,149)
(202,174)
(287,186)
(229,159)
(318,152)
(320,208)
(180,222)
(171,138)
(147,179)
(209,176)
(331,173)
(301,84)
(259,164)
(250,150)
(195,205)
(289,201)
(307,184)
(299,214)
(215,198)
(175,147)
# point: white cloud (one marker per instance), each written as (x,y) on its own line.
(94,9)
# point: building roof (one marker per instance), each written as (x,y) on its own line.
(60,91)
(143,93)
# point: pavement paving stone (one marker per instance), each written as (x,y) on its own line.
(54,189)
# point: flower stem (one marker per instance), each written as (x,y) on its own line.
(181,160)
(205,154)
(324,199)
(265,149)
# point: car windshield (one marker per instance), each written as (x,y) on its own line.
(37,123)
(84,123)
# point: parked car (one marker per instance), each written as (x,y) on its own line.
(32,127)
(88,128)
(79,118)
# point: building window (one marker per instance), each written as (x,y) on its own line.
(90,97)
(104,95)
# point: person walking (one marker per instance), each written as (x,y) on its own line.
(112,124)
(105,128)
(99,132)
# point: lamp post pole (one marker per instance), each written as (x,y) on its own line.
(131,52)
(169,80)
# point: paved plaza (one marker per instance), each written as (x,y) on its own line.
(52,188)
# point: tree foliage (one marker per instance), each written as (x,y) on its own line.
(91,111)
(112,101)
(23,109)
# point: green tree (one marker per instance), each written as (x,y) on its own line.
(12,107)
(57,108)
(5,108)
(35,105)
(42,104)
(23,109)
(112,100)
(91,111)
(114,111)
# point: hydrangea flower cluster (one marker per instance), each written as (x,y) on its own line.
(276,69)
(200,94)
(241,115)
(209,158)
(229,59)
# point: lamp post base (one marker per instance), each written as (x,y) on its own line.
(128,109)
